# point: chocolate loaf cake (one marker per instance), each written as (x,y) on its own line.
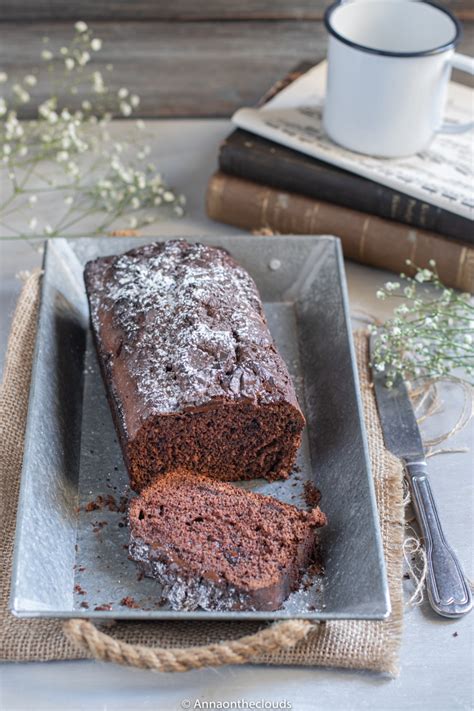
(218,547)
(192,373)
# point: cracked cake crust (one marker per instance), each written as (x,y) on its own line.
(192,373)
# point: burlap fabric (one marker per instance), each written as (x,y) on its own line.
(178,646)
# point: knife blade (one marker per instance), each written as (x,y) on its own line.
(448,589)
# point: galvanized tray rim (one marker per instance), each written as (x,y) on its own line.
(382,611)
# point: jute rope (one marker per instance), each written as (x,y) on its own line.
(102,646)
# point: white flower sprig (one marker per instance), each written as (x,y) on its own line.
(431,333)
(101,180)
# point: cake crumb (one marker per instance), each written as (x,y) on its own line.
(312,494)
(129,601)
(105,607)
(316,568)
(99,525)
(124,233)
(92,506)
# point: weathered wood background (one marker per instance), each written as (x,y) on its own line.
(183,57)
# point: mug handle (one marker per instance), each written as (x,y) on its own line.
(464,64)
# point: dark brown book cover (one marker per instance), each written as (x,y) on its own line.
(365,238)
(249,156)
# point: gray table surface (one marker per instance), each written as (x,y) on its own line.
(437,660)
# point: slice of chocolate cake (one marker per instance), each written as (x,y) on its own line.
(219,547)
(192,373)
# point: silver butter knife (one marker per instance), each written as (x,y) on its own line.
(448,588)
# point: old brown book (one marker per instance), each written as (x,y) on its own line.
(365,238)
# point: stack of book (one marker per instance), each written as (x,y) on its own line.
(264,186)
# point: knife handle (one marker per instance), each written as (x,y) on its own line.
(448,588)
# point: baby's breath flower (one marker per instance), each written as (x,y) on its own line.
(144,152)
(140,125)
(72,168)
(3,77)
(81,27)
(430,334)
(83,58)
(115,185)
(98,83)
(423,275)
(21,93)
(380,294)
(62,156)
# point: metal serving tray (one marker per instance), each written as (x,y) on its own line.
(73,562)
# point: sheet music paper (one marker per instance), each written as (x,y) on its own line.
(441,175)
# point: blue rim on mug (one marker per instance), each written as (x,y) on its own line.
(423,53)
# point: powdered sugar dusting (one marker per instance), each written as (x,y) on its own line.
(186,593)
(187,326)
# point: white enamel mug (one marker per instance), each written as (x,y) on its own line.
(389,64)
